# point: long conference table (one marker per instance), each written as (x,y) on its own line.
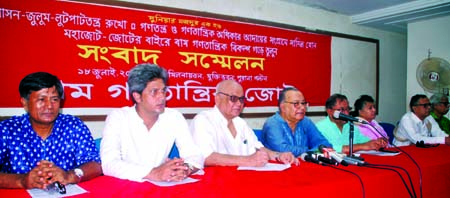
(306,180)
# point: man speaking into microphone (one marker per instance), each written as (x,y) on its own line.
(336,128)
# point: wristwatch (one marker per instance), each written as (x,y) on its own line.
(78,172)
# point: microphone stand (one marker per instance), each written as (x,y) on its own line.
(350,145)
(350,141)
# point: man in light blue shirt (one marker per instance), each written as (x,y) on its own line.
(289,129)
(337,131)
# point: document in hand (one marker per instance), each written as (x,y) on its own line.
(184,181)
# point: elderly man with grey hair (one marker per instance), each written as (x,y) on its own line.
(225,139)
(137,139)
(439,108)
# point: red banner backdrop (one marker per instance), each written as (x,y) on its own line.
(91,48)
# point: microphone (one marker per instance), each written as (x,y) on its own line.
(354,161)
(326,160)
(338,158)
(341,116)
(333,155)
(309,158)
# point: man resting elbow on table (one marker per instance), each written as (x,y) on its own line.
(43,146)
(225,139)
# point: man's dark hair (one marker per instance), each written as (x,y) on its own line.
(37,81)
(332,100)
(415,100)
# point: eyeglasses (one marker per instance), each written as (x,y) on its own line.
(445,103)
(348,109)
(425,105)
(234,98)
(155,91)
(297,104)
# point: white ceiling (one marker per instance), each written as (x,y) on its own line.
(390,15)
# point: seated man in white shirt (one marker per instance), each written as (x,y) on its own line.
(418,125)
(224,138)
(137,139)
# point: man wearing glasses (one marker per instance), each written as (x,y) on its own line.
(337,131)
(416,125)
(289,129)
(439,108)
(224,138)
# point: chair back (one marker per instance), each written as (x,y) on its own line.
(258,133)
(389,128)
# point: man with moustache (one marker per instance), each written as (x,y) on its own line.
(43,146)
(337,131)
(225,139)
(289,130)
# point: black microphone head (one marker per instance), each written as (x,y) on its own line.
(327,160)
(420,144)
(307,157)
(303,155)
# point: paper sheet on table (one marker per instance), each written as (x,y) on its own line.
(267,167)
(379,153)
(184,181)
(71,190)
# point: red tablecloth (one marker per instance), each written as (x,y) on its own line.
(308,180)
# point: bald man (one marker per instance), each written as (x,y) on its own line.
(225,139)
